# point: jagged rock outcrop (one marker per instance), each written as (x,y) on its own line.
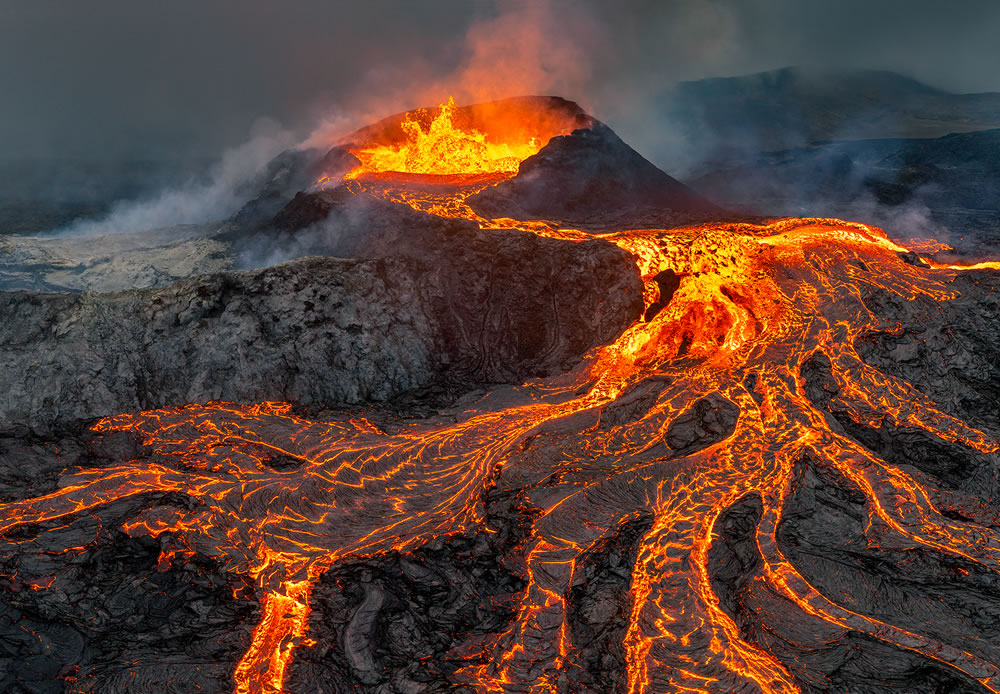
(471,307)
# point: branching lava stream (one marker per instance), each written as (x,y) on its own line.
(753,303)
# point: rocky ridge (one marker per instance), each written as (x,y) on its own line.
(462,306)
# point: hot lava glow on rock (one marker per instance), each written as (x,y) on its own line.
(752,304)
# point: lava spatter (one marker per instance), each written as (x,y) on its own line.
(752,304)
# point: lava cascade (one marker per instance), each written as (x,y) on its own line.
(754,302)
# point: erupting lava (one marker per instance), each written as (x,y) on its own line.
(752,305)
(444,149)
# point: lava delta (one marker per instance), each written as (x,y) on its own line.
(574,428)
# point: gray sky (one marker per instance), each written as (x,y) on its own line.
(129,78)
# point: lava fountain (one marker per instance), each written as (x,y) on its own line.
(444,149)
(752,304)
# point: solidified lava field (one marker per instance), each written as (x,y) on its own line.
(596,436)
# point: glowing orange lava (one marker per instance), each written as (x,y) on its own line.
(286,614)
(754,303)
(444,149)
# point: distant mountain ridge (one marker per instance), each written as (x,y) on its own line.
(947,187)
(791,107)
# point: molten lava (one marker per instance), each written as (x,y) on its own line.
(444,149)
(753,303)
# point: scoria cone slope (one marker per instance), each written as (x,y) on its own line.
(590,177)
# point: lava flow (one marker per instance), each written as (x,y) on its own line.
(753,304)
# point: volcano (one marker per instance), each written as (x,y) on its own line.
(519,412)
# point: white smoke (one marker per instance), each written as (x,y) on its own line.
(223,193)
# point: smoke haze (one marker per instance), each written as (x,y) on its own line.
(113,78)
(223,193)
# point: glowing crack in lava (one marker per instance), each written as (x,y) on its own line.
(753,304)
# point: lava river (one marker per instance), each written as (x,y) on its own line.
(751,305)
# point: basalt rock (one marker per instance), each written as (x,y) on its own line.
(823,535)
(470,308)
(69,615)
(948,349)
